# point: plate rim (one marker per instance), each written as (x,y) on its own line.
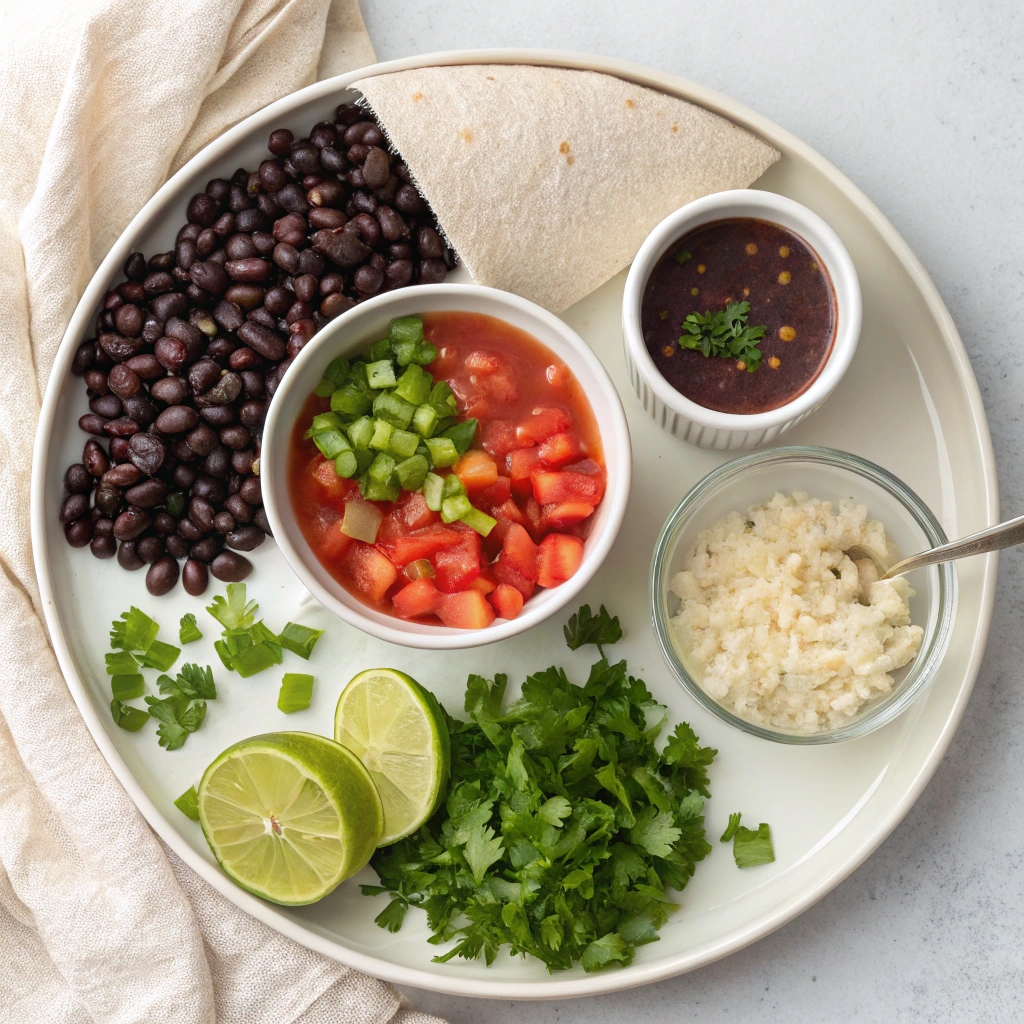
(635,975)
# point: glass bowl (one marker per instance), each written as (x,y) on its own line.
(830,475)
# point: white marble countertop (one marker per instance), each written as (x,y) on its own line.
(922,105)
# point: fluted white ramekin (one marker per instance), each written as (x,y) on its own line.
(707,427)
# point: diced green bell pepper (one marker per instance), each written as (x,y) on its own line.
(346,464)
(453,486)
(376,491)
(398,412)
(424,420)
(351,401)
(433,491)
(403,444)
(381,374)
(360,431)
(455,508)
(331,443)
(337,371)
(325,421)
(412,472)
(479,521)
(382,432)
(442,451)
(414,385)
(382,468)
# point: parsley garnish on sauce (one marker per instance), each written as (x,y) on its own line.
(725,334)
(564,828)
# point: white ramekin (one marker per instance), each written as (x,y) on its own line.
(707,427)
(360,327)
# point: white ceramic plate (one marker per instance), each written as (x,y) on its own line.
(909,402)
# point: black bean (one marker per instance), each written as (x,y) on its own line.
(224,522)
(248,270)
(140,409)
(228,315)
(202,209)
(172,390)
(433,271)
(311,263)
(368,280)
(234,437)
(327,217)
(218,462)
(123,381)
(130,523)
(263,340)
(194,577)
(125,474)
(336,304)
(397,274)
(147,366)
(245,538)
(94,458)
(210,276)
(241,461)
(376,166)
(177,419)
(129,320)
(96,381)
(329,192)
(261,520)
(341,246)
(135,266)
(164,523)
(225,391)
(123,426)
(75,507)
(163,307)
(108,499)
(78,480)
(203,375)
(218,415)
(229,567)
(209,488)
(201,512)
(162,576)
(240,247)
(239,508)
(176,545)
(207,549)
(189,530)
(252,413)
(118,347)
(149,547)
(148,494)
(79,532)
(107,406)
(147,452)
(103,545)
(171,353)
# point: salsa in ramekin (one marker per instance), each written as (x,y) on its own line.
(449,471)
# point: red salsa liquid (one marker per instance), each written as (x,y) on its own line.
(742,260)
(536,466)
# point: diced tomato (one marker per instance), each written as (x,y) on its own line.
(500,388)
(586,466)
(334,543)
(335,486)
(499,438)
(498,493)
(511,511)
(558,517)
(477,470)
(560,449)
(506,572)
(521,464)
(370,571)
(419,598)
(519,551)
(415,513)
(483,584)
(457,566)
(534,518)
(542,423)
(483,361)
(558,558)
(423,543)
(466,610)
(507,601)
(564,486)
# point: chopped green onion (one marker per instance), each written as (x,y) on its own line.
(160,656)
(346,465)
(453,486)
(332,443)
(412,472)
(462,435)
(424,420)
(188,630)
(414,385)
(433,491)
(127,687)
(256,658)
(325,421)
(455,508)
(398,412)
(381,374)
(361,521)
(134,632)
(121,663)
(296,692)
(351,401)
(382,468)
(127,717)
(403,444)
(234,612)
(442,451)
(299,639)
(406,328)
(382,431)
(360,431)
(188,803)
(377,491)
(479,521)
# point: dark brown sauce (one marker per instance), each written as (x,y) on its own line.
(742,262)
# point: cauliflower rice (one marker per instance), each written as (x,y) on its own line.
(772,623)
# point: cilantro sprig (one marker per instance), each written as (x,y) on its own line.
(750,847)
(564,828)
(724,333)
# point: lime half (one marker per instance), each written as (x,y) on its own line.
(289,815)
(396,728)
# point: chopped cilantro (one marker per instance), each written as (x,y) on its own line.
(191,682)
(296,692)
(159,656)
(188,803)
(564,828)
(730,829)
(299,639)
(178,716)
(134,631)
(750,847)
(233,613)
(188,629)
(725,334)
(127,717)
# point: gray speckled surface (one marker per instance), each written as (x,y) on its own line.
(922,105)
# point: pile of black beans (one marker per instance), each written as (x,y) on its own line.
(191,347)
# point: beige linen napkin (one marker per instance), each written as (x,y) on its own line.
(547,180)
(101,99)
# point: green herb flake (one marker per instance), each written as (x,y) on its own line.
(127,717)
(725,334)
(681,256)
(750,847)
(296,692)
(188,803)
(178,717)
(121,663)
(233,612)
(188,630)
(159,655)
(299,639)
(564,826)
(133,631)
(127,687)
(730,829)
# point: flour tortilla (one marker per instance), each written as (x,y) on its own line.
(547,180)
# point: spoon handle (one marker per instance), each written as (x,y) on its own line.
(1004,535)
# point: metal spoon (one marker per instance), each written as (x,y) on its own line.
(1005,535)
